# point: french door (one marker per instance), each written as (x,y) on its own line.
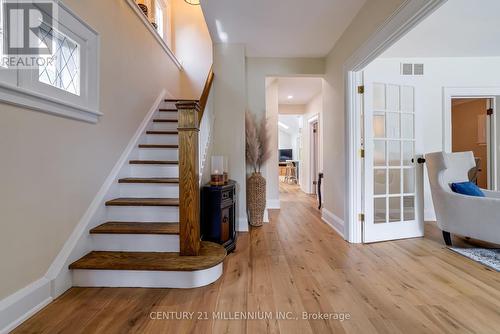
(393,179)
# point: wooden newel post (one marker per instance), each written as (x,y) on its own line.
(189,188)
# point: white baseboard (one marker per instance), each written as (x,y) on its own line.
(333,221)
(430,215)
(273,204)
(21,305)
(242,224)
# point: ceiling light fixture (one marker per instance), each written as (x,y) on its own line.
(284,126)
(193,2)
(290,97)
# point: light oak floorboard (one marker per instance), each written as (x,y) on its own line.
(298,264)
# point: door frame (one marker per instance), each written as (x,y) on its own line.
(492,93)
(310,122)
(404,19)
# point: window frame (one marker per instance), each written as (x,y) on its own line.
(27,91)
(167,28)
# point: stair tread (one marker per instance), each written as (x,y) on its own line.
(158,146)
(162,132)
(149,180)
(154,162)
(131,201)
(180,100)
(161,120)
(211,254)
(168,110)
(136,228)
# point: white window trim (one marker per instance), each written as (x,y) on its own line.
(17,95)
(155,33)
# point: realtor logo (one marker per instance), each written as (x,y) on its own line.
(27,25)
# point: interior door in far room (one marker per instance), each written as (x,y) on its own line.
(472,130)
(314,156)
(393,187)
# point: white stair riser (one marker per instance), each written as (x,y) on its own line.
(136,242)
(166,115)
(171,154)
(146,279)
(162,139)
(149,190)
(164,126)
(154,171)
(167,105)
(143,213)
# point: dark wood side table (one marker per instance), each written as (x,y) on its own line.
(218,214)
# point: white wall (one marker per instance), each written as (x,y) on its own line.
(429,111)
(230,105)
(291,136)
(369,18)
(284,140)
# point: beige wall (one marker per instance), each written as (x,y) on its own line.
(464,118)
(53,167)
(271,170)
(192,46)
(369,18)
(292,109)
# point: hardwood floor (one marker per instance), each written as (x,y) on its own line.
(298,264)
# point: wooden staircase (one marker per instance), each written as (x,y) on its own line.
(151,238)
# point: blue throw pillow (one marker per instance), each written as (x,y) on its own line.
(467,188)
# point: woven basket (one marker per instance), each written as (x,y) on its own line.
(256,199)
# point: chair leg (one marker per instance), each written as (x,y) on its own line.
(447,238)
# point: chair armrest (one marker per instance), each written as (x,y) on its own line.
(476,217)
(491,194)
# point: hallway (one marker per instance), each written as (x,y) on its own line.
(299,264)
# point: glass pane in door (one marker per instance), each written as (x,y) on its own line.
(394,150)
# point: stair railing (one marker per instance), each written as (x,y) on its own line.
(190,116)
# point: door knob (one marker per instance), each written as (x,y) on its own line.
(419,160)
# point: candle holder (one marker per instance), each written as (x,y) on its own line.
(226,170)
(217,171)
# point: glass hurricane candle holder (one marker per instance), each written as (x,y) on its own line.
(217,171)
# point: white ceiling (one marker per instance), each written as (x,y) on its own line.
(280,28)
(459,28)
(302,89)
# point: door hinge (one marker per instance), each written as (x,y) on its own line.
(489,112)
(362,152)
(361,89)
(361,217)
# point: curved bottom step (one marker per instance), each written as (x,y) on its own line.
(149,269)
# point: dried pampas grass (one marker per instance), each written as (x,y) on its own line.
(257,142)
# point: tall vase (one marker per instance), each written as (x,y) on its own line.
(256,199)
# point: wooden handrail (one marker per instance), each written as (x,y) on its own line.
(206,92)
(190,115)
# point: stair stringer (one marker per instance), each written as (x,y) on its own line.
(80,241)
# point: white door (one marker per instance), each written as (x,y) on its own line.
(393,194)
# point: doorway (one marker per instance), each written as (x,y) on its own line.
(472,129)
(294,107)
